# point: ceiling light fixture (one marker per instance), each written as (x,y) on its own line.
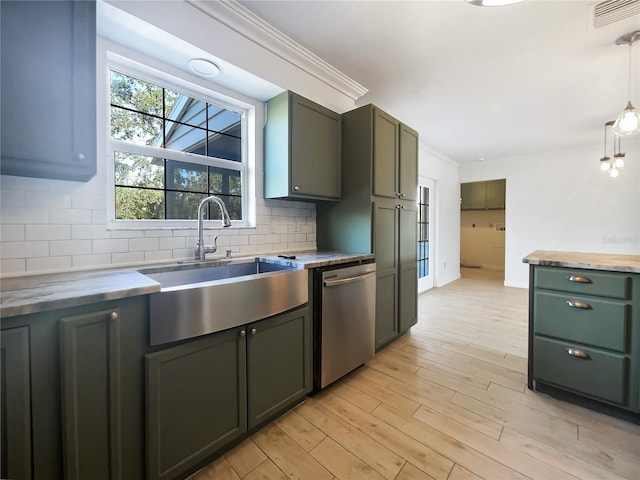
(204,68)
(612,165)
(628,122)
(493,3)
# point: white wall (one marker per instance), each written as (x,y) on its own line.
(444,172)
(562,201)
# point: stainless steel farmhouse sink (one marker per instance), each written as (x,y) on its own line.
(196,299)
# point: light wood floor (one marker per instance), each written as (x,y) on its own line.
(446,401)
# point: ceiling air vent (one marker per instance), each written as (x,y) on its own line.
(611,11)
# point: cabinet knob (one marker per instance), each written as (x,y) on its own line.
(253,331)
(114,315)
(398,206)
(296,188)
(243,333)
(402,195)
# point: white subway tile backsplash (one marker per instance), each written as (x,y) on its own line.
(25,249)
(48,264)
(48,200)
(53,225)
(69,247)
(69,216)
(24,215)
(12,233)
(118,245)
(89,232)
(47,232)
(13,266)
(143,244)
(83,261)
(127,258)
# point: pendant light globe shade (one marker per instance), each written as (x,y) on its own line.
(628,122)
(605,164)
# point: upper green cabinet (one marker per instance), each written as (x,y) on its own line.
(302,150)
(395,157)
(483,195)
(48,89)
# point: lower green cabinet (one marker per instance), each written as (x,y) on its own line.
(204,394)
(16,404)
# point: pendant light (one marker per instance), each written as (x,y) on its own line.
(628,122)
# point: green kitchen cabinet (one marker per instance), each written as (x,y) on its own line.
(584,335)
(74,402)
(378,212)
(489,195)
(48,89)
(302,150)
(205,394)
(496,194)
(16,403)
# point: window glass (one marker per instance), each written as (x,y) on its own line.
(149,185)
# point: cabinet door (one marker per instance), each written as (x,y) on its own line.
(90,389)
(385,154)
(496,190)
(196,402)
(48,89)
(408,163)
(15,369)
(478,195)
(386,254)
(408,264)
(315,149)
(278,364)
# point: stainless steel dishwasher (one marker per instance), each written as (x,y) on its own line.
(344,323)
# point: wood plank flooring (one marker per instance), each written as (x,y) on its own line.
(447,401)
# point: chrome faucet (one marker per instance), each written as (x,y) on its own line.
(201,248)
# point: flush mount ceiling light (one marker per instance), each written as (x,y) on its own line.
(628,122)
(204,68)
(492,3)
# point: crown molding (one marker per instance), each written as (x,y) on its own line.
(246,23)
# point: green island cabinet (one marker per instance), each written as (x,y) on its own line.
(48,89)
(378,212)
(207,393)
(302,150)
(584,336)
(489,195)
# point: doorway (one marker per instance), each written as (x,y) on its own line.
(425,233)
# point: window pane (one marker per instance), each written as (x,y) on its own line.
(224,121)
(185,138)
(234,207)
(135,94)
(224,146)
(225,181)
(138,170)
(139,204)
(183,205)
(184,109)
(135,128)
(186,176)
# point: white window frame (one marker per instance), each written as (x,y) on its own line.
(150,70)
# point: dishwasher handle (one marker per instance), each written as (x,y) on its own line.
(344,281)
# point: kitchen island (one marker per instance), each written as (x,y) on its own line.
(584,329)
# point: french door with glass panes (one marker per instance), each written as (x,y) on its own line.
(425,233)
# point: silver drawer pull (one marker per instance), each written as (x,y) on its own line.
(576,352)
(579,304)
(579,279)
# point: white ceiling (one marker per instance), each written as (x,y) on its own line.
(475,82)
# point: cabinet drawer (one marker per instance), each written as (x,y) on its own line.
(588,320)
(601,374)
(588,282)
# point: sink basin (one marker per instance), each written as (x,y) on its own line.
(195,273)
(197,299)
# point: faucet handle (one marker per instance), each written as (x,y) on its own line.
(229,250)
